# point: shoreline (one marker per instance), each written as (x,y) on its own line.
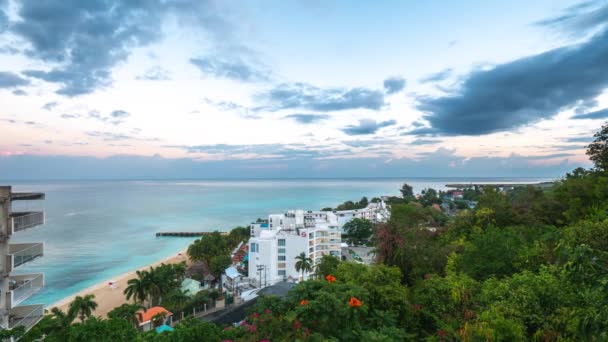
(108,298)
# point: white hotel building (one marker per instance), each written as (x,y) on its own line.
(273,246)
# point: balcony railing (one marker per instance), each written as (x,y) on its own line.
(26,316)
(21,253)
(21,287)
(24,220)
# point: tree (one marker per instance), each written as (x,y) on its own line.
(137,288)
(217,265)
(303,264)
(327,265)
(207,247)
(363,202)
(83,307)
(407,191)
(598,150)
(131,313)
(358,230)
(429,197)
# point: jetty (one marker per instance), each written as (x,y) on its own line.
(186,234)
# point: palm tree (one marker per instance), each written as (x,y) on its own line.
(303,264)
(137,288)
(83,307)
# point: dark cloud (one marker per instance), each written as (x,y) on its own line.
(522,92)
(598,114)
(569,147)
(579,139)
(581,18)
(120,114)
(306,96)
(265,151)
(87,38)
(426,131)
(19,92)
(50,105)
(394,85)
(3,16)
(234,68)
(367,126)
(307,118)
(155,74)
(369,143)
(437,77)
(11,80)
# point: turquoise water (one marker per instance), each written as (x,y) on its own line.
(96,230)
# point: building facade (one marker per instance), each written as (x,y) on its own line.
(274,245)
(17,288)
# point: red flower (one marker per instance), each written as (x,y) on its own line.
(417,307)
(330,278)
(252,328)
(303,302)
(354,302)
(267,311)
(297,325)
(441,333)
(243,323)
(255,315)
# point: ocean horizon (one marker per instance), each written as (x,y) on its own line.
(99,229)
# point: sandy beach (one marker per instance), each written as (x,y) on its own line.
(107,297)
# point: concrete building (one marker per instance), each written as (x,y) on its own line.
(17,288)
(273,246)
(375,212)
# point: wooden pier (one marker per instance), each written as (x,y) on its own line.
(185,234)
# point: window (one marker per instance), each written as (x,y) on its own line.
(281,250)
(281,258)
(311,236)
(282,273)
(281,265)
(282,242)
(254,247)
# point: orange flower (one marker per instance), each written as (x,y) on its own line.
(303,302)
(354,302)
(330,278)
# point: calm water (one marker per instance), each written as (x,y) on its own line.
(96,230)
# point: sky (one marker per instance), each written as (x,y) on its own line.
(292,89)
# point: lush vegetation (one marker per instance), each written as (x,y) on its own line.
(358,231)
(350,205)
(524,265)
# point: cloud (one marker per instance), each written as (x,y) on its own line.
(70,116)
(420,131)
(598,114)
(441,163)
(307,118)
(394,85)
(3,16)
(369,143)
(521,92)
(580,19)
(112,136)
(306,96)
(437,77)
(367,126)
(19,92)
(84,40)
(233,67)
(422,142)
(120,114)
(155,74)
(50,105)
(263,151)
(579,139)
(11,80)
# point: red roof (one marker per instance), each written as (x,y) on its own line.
(153,311)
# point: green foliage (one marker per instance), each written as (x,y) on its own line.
(598,151)
(358,230)
(95,329)
(82,307)
(303,264)
(207,247)
(150,286)
(328,265)
(407,191)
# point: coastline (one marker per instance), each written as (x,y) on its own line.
(108,298)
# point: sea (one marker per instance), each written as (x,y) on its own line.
(96,230)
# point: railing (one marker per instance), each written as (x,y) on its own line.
(24,220)
(21,253)
(23,286)
(26,316)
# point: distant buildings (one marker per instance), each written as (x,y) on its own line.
(275,243)
(273,246)
(17,288)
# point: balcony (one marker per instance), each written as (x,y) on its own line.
(21,287)
(21,253)
(26,219)
(26,316)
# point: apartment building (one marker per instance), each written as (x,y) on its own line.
(19,211)
(274,245)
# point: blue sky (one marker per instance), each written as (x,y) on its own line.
(189,88)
